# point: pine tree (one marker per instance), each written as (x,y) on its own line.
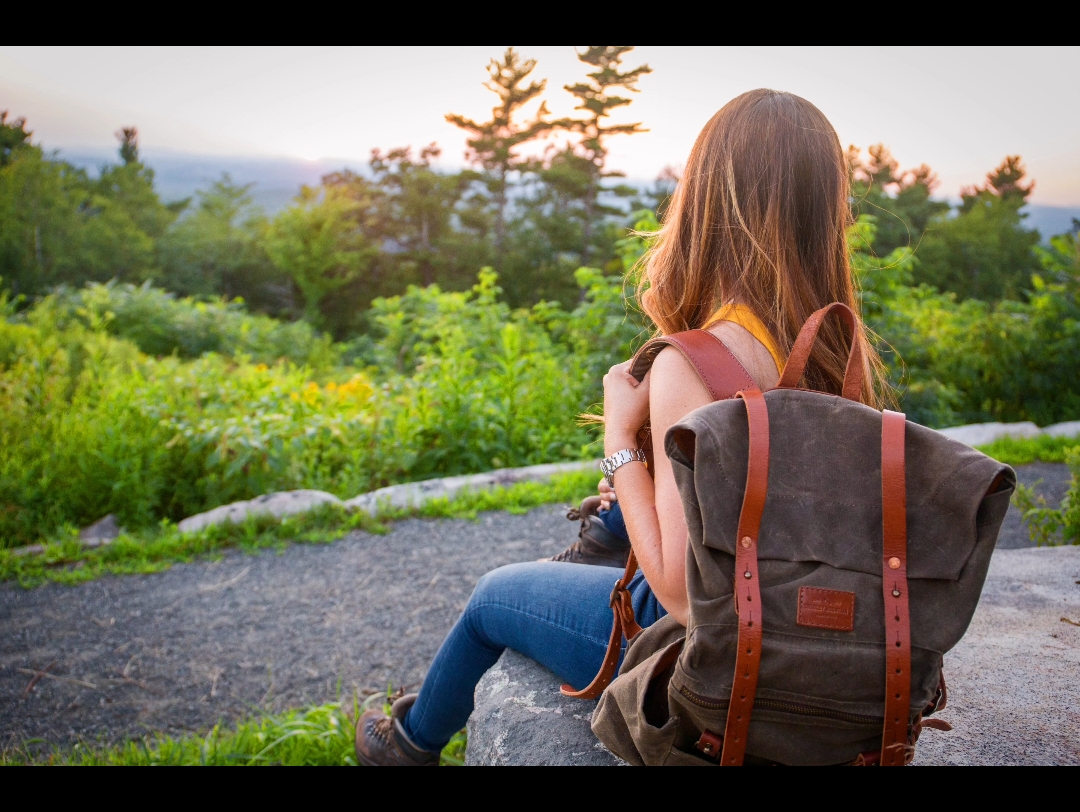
(596,100)
(417,207)
(1005,183)
(493,144)
(129,145)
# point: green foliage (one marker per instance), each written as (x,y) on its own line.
(317,736)
(12,136)
(90,425)
(160,324)
(596,100)
(971,361)
(353,237)
(899,201)
(218,247)
(1061,260)
(1049,525)
(57,225)
(1023,451)
(984,252)
(316,242)
(493,145)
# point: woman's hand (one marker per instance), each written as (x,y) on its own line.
(626,408)
(607,495)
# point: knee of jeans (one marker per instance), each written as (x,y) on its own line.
(499,582)
(490,583)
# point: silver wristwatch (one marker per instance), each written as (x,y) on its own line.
(609,465)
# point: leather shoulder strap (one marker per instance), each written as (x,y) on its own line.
(714,363)
(894,585)
(747,591)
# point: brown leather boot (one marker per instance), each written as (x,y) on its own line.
(381,740)
(596,545)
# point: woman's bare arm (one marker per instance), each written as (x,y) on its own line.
(653,508)
(653,512)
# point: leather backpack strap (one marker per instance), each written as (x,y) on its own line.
(804,344)
(894,585)
(747,591)
(625,625)
(723,376)
(714,363)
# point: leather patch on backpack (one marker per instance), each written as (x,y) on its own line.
(826,609)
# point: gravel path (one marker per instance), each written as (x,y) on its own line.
(181,649)
(203,642)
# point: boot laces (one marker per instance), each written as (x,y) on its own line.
(381,729)
(569,554)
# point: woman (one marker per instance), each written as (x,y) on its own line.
(753,242)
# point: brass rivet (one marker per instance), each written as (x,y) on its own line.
(894,563)
(745,541)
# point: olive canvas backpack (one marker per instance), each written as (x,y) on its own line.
(835,554)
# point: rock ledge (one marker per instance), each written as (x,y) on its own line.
(521,719)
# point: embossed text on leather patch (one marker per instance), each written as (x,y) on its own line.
(826,608)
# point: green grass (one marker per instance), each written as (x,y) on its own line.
(316,736)
(65,561)
(1014,451)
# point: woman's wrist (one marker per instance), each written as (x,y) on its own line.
(617,441)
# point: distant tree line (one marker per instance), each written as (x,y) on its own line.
(535,220)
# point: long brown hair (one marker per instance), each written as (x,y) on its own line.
(760,217)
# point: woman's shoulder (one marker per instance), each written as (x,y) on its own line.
(673,375)
(674,381)
(752,354)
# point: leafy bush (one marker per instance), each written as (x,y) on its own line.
(159,323)
(972,361)
(1054,525)
(90,425)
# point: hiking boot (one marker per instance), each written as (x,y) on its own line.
(596,544)
(381,740)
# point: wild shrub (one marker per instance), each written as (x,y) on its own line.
(160,323)
(90,424)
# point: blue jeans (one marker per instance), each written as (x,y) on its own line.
(556,614)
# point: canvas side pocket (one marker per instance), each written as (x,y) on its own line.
(632,719)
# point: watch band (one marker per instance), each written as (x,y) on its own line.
(609,465)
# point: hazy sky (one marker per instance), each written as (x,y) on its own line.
(958,109)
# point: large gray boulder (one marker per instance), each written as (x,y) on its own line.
(986,433)
(278,505)
(415,494)
(1014,696)
(408,496)
(1068,429)
(521,718)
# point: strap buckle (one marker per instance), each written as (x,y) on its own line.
(614,601)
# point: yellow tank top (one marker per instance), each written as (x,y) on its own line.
(745,318)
